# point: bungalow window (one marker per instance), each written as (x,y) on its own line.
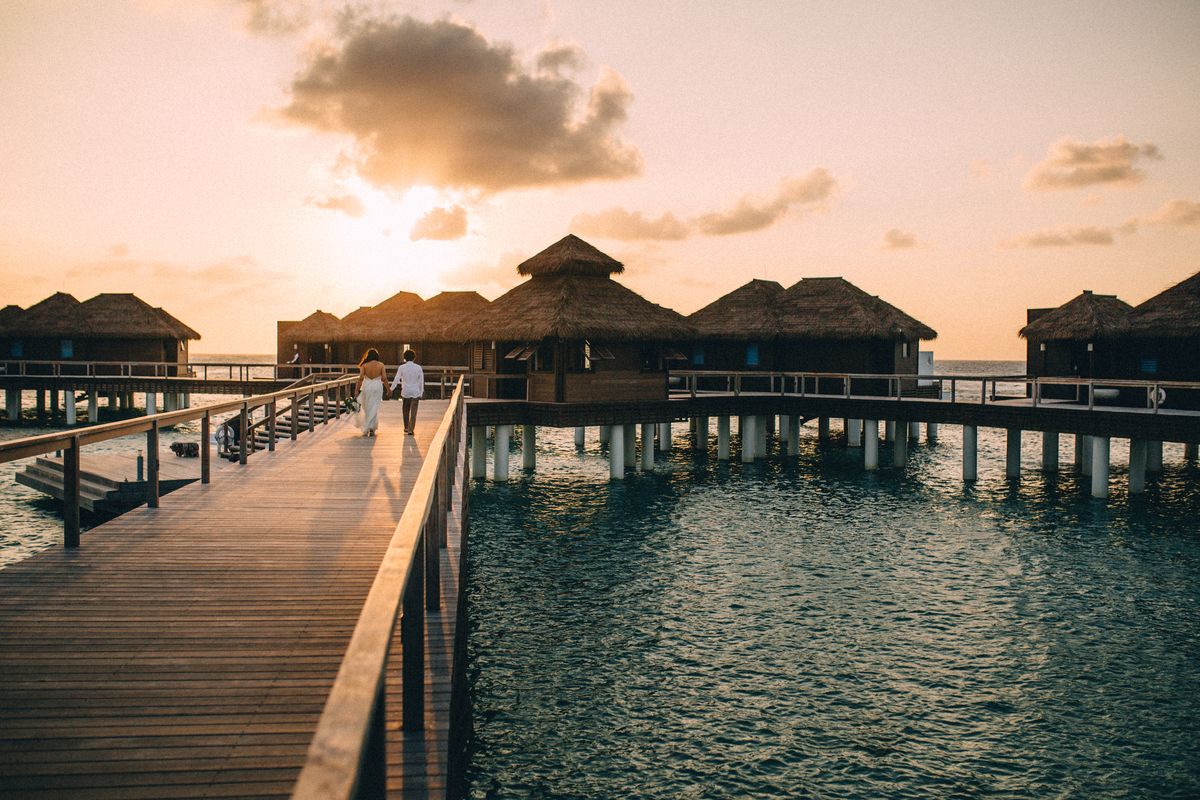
(904,349)
(698,356)
(1150,366)
(752,355)
(66,348)
(16,348)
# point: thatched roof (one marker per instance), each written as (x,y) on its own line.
(1084,318)
(1170,314)
(126,316)
(752,311)
(10,319)
(356,315)
(435,319)
(571,255)
(57,315)
(834,308)
(319,326)
(571,296)
(400,301)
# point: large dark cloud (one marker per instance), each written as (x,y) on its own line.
(1072,164)
(436,103)
(441,223)
(753,214)
(628,226)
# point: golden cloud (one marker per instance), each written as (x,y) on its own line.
(753,214)
(443,224)
(1072,164)
(629,226)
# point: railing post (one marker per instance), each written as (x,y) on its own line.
(433,548)
(372,782)
(846,385)
(312,412)
(271,426)
(1091,395)
(243,444)
(152,465)
(1155,398)
(71,494)
(737,384)
(295,421)
(205,447)
(412,643)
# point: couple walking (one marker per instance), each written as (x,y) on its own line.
(371,388)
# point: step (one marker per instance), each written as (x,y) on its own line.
(54,477)
(52,465)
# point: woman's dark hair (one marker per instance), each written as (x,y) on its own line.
(371,355)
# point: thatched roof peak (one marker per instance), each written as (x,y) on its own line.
(1173,313)
(834,308)
(319,326)
(571,255)
(10,318)
(127,316)
(1085,317)
(751,311)
(400,301)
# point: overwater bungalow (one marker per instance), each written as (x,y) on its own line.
(1164,334)
(312,340)
(573,334)
(108,327)
(429,327)
(1082,338)
(739,330)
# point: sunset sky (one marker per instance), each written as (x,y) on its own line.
(240,163)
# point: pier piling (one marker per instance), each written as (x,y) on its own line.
(749,438)
(648,445)
(1012,468)
(914,432)
(93,407)
(871,444)
(605,434)
(528,447)
(701,442)
(478,451)
(1137,466)
(793,445)
(900,446)
(723,438)
(580,433)
(664,437)
(889,430)
(1154,457)
(1100,446)
(1189,451)
(500,459)
(12,404)
(762,429)
(854,433)
(616,453)
(823,429)
(630,445)
(970,436)
(69,403)
(1049,451)
(1085,467)
(931,432)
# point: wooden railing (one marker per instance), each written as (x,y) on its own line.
(347,756)
(72,442)
(1149,395)
(200,370)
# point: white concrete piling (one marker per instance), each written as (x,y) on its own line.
(648,445)
(723,438)
(701,440)
(1154,458)
(889,430)
(151,403)
(500,457)
(749,438)
(12,404)
(1049,451)
(616,453)
(793,445)
(871,444)
(1137,466)
(69,402)
(900,446)
(854,433)
(823,429)
(580,433)
(761,429)
(93,407)
(664,437)
(1099,466)
(931,432)
(914,432)
(528,447)
(605,434)
(785,428)
(970,435)
(630,445)
(1012,461)
(1085,467)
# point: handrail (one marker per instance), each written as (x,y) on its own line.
(71,442)
(188,370)
(346,757)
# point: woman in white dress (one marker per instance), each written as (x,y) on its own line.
(371,388)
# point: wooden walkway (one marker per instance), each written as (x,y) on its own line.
(186,651)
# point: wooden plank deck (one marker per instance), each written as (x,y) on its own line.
(186,651)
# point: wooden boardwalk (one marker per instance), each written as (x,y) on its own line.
(187,651)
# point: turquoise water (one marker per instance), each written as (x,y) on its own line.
(801,628)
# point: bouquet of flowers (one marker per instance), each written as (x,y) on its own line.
(352,405)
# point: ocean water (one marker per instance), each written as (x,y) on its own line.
(801,628)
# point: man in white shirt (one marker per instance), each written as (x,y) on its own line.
(411,380)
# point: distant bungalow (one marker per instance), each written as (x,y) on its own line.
(817,325)
(403,321)
(1165,334)
(1082,338)
(573,334)
(108,327)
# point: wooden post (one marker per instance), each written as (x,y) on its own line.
(616,453)
(528,446)
(293,418)
(271,426)
(433,554)
(243,438)
(500,457)
(1050,451)
(970,435)
(647,445)
(312,412)
(723,438)
(479,452)
(372,782)
(1137,466)
(1013,453)
(205,448)
(152,465)
(871,444)
(71,494)
(900,446)
(749,438)
(412,643)
(1100,447)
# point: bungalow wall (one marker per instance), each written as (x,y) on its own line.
(733,355)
